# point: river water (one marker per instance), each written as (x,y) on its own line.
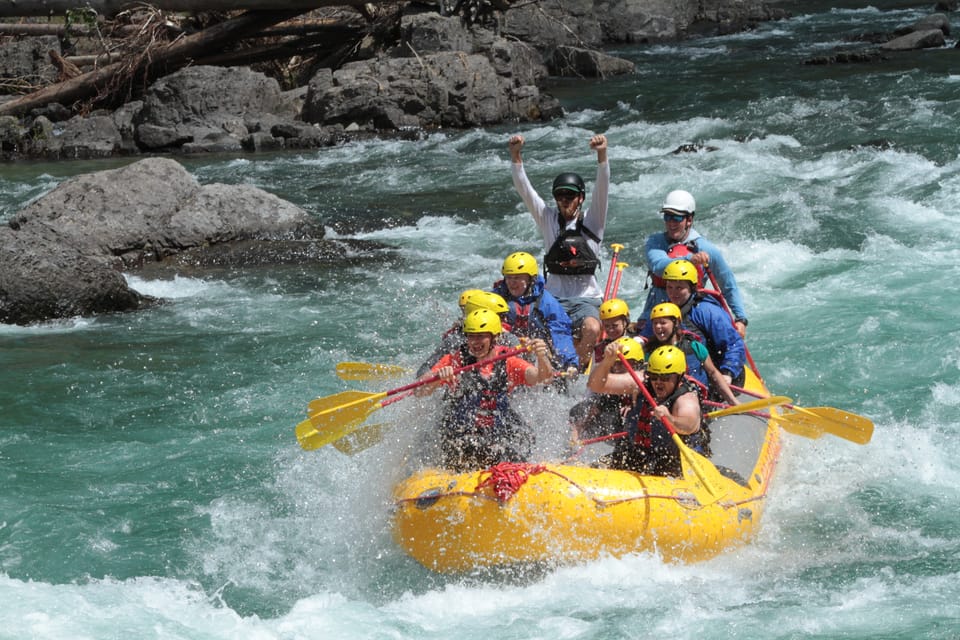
(153,486)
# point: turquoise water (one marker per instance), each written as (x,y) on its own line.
(153,486)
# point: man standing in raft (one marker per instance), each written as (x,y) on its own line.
(479,427)
(571,239)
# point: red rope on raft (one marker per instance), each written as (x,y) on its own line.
(506,478)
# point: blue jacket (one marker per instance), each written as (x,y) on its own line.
(547,320)
(703,316)
(657,259)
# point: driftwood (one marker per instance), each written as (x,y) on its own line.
(92,60)
(330,39)
(20,8)
(160,59)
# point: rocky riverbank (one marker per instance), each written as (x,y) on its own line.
(426,71)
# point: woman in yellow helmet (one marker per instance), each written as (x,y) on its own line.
(667,329)
(453,338)
(648,447)
(479,427)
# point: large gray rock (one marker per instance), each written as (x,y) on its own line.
(153,208)
(587,63)
(434,87)
(84,138)
(916,40)
(41,278)
(197,103)
(60,256)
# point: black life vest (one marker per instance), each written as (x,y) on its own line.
(649,448)
(680,250)
(479,427)
(571,254)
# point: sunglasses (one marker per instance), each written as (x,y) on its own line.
(565,195)
(660,377)
(673,217)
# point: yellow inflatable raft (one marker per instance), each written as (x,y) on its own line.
(557,513)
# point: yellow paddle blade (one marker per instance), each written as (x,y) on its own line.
(364,437)
(707,474)
(369,371)
(329,425)
(753,405)
(336,400)
(799,425)
(843,424)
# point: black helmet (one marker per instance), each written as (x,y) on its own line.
(570,182)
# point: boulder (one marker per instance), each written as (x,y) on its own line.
(153,208)
(41,279)
(916,40)
(193,104)
(933,21)
(587,63)
(444,89)
(85,138)
(60,255)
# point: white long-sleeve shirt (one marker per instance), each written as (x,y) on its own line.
(547,219)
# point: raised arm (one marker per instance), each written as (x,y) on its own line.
(603,380)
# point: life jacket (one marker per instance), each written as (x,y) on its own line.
(599,348)
(478,402)
(680,250)
(649,447)
(478,426)
(571,254)
(694,364)
(690,327)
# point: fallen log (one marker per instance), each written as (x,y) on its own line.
(22,8)
(164,58)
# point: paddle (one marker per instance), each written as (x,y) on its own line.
(616,283)
(336,416)
(368,371)
(814,422)
(613,264)
(747,407)
(363,438)
(708,475)
(364,371)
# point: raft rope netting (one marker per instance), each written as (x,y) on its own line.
(506,478)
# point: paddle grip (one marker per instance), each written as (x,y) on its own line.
(613,265)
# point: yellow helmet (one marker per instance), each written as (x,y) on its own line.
(614,308)
(682,270)
(520,263)
(668,359)
(486,300)
(631,349)
(466,295)
(666,310)
(482,321)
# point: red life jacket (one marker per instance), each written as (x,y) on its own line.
(681,251)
